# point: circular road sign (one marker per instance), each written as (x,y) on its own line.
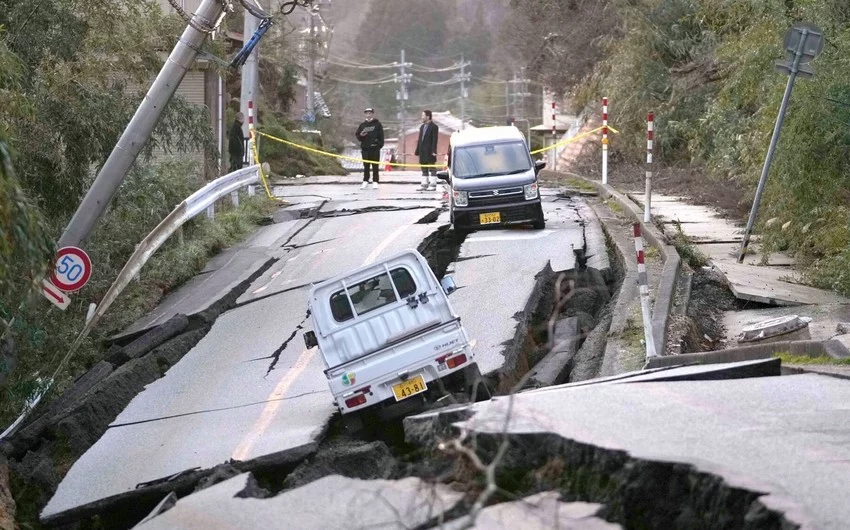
(72,269)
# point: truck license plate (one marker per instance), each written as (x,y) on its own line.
(411,387)
(490,218)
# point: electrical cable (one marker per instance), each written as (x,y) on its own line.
(256,9)
(286,8)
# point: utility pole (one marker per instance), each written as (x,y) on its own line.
(401,95)
(250,76)
(138,131)
(464,77)
(311,69)
(507,102)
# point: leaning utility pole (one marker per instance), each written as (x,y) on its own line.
(139,130)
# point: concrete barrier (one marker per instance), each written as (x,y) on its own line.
(812,348)
(672,261)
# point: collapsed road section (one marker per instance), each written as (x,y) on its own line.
(221,405)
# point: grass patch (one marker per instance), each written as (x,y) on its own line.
(42,333)
(614,206)
(652,252)
(686,249)
(788,358)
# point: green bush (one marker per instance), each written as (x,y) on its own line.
(705,67)
(43,332)
(289,161)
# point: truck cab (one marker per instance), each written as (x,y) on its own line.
(389,337)
(493,180)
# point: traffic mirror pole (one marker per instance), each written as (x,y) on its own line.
(139,130)
(809,46)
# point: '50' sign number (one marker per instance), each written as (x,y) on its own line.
(73,269)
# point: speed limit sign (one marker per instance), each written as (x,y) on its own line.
(72,270)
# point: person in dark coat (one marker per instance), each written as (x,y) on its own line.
(426,148)
(371,136)
(236,143)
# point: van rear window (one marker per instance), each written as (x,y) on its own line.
(371,294)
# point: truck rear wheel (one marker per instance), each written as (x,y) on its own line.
(352,422)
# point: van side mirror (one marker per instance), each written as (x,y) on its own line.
(538,165)
(444,175)
(448,284)
(310,339)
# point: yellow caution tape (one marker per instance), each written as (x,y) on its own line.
(263,179)
(354,158)
(573,139)
(396,164)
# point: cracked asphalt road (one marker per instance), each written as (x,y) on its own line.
(250,389)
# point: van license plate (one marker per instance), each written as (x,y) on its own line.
(411,387)
(490,218)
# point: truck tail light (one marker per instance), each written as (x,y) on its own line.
(456,361)
(359,398)
(354,401)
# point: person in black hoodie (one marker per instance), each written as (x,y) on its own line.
(371,136)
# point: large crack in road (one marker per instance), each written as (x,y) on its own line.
(441,249)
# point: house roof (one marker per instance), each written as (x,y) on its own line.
(446,121)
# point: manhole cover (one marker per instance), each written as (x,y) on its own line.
(782,327)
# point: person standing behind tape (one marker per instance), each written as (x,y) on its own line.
(236,143)
(426,148)
(371,136)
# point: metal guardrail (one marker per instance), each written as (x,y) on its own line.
(186,210)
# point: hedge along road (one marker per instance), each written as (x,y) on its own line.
(249,389)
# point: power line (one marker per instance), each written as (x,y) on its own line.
(383,81)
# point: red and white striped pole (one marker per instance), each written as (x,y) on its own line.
(604,140)
(251,138)
(554,139)
(643,285)
(650,136)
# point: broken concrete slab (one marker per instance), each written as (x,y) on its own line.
(493,305)
(544,511)
(730,251)
(787,449)
(349,458)
(80,423)
(330,502)
(553,368)
(226,273)
(155,336)
(769,285)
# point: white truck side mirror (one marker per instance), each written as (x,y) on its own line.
(448,284)
(310,339)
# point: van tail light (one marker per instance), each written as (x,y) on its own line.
(355,401)
(456,361)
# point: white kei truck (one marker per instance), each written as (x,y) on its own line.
(390,340)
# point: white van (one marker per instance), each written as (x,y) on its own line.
(390,340)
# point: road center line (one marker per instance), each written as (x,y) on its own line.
(270,411)
(384,244)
